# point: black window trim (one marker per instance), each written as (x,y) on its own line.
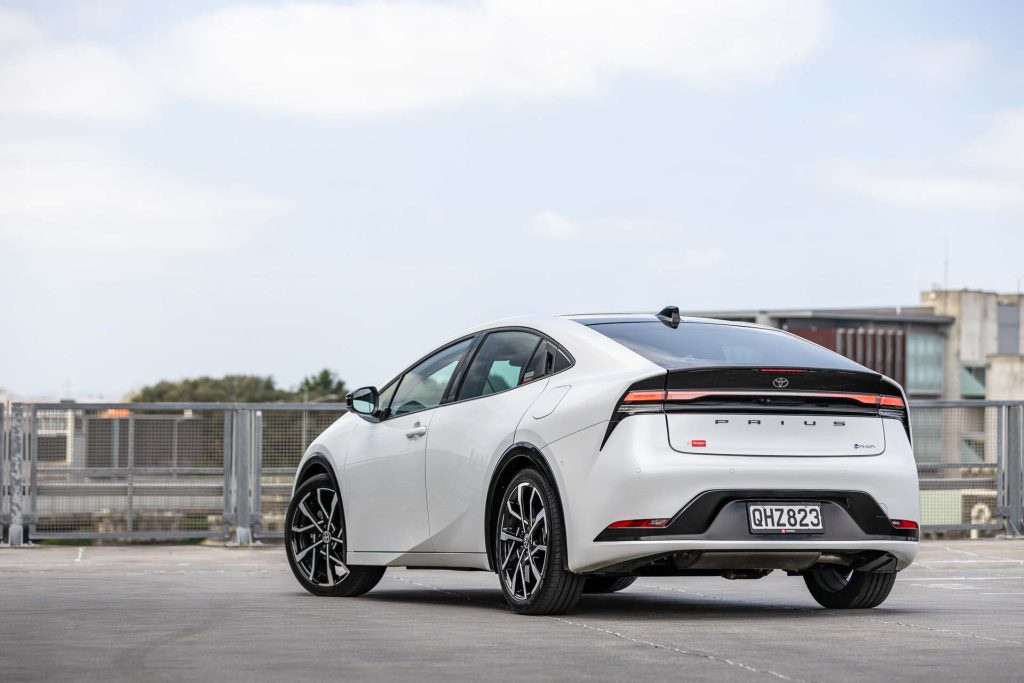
(460,370)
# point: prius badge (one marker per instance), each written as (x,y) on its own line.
(780,382)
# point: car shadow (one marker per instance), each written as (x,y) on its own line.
(631,605)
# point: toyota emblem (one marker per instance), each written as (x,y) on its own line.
(780,382)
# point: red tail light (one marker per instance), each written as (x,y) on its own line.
(903,524)
(637,396)
(778,371)
(866,399)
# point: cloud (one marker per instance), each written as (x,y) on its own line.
(948,62)
(1003,146)
(987,175)
(69,195)
(551,226)
(45,77)
(371,58)
(911,186)
(548,225)
(695,260)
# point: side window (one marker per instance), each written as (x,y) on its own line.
(424,385)
(499,364)
(384,400)
(562,361)
(547,360)
(542,362)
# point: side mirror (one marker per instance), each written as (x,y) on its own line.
(363,401)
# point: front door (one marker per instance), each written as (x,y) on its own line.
(383,483)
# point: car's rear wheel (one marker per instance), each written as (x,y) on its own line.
(840,588)
(607,584)
(315,542)
(530,548)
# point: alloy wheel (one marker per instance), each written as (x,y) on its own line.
(317,538)
(523,541)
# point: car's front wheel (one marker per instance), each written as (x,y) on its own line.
(530,548)
(839,588)
(315,542)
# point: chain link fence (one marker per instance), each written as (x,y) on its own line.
(211,470)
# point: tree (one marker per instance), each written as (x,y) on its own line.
(230,389)
(324,385)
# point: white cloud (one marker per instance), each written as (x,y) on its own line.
(911,186)
(548,225)
(370,58)
(987,175)
(42,76)
(552,226)
(1003,146)
(695,260)
(69,195)
(948,62)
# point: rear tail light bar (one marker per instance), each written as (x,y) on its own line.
(647,396)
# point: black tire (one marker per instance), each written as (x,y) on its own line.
(607,584)
(305,527)
(549,588)
(838,588)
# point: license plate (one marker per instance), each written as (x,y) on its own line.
(785,518)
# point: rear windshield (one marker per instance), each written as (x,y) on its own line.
(694,345)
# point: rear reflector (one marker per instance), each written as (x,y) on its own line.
(903,524)
(656,523)
(699,443)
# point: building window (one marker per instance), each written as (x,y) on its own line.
(1008,318)
(924,362)
(972,382)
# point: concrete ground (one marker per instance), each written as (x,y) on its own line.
(162,613)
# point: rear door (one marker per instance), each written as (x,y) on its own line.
(506,375)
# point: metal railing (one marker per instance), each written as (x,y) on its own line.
(216,470)
(154,470)
(969,460)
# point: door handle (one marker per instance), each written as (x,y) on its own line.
(416,432)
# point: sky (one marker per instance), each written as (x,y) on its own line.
(203,188)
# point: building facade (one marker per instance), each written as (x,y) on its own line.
(957,344)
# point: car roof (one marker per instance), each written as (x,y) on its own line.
(603,318)
(553,324)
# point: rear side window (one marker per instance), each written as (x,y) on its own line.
(694,345)
(499,364)
(547,360)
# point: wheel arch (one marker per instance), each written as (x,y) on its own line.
(318,463)
(516,458)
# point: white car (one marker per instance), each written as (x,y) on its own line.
(573,454)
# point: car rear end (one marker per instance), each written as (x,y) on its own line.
(754,450)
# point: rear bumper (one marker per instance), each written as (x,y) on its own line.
(627,556)
(638,476)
